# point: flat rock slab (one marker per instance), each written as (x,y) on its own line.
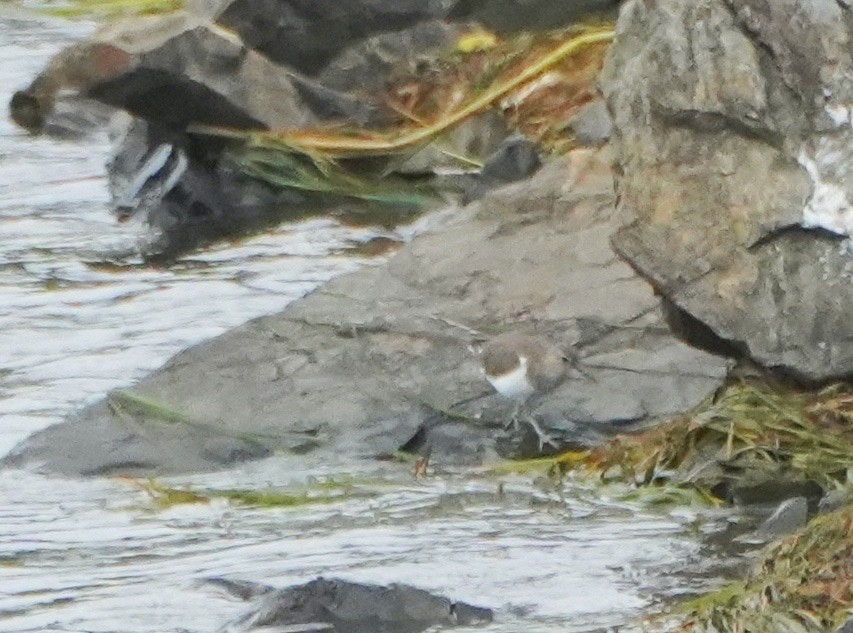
(373,359)
(735,147)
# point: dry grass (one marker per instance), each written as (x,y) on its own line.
(752,430)
(538,82)
(538,107)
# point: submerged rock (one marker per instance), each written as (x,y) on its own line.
(348,607)
(733,136)
(387,356)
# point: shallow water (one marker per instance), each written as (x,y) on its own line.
(95,556)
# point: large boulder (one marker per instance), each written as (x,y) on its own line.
(386,357)
(735,155)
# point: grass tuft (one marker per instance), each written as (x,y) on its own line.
(802,583)
(752,432)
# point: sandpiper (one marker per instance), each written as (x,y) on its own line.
(520,366)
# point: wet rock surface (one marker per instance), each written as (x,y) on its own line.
(387,355)
(733,136)
(348,607)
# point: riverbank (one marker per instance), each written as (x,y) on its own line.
(385,358)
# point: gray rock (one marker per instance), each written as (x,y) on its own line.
(788,517)
(515,159)
(181,70)
(847,627)
(328,104)
(243,589)
(368,65)
(592,126)
(377,357)
(172,70)
(733,143)
(357,608)
(834,500)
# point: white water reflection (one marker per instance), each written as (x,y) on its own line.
(89,556)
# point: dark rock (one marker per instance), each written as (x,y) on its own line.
(177,71)
(510,16)
(357,608)
(734,151)
(377,357)
(186,201)
(515,159)
(769,487)
(307,34)
(69,116)
(789,516)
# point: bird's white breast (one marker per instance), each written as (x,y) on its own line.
(514,384)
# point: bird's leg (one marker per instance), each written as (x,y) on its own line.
(543,437)
(513,417)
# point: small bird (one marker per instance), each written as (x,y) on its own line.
(519,366)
